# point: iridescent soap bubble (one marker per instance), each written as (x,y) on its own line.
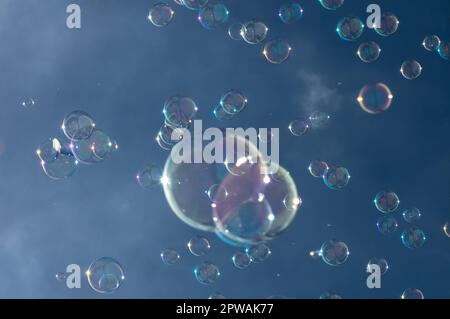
(213,15)
(334,252)
(234,31)
(169,135)
(64,166)
(411,215)
(386,202)
(387,225)
(105,275)
(413,237)
(28,103)
(179,110)
(331,4)
(317,168)
(319,119)
(170,256)
(411,69)
(336,177)
(388,24)
(298,127)
(194,4)
(207,273)
(254,31)
(49,150)
(233,101)
(258,253)
(431,42)
(160,14)
(381,262)
(446,229)
(330,295)
(198,246)
(149,176)
(220,114)
(61,276)
(241,260)
(102,144)
(78,125)
(375,98)
(290,12)
(412,293)
(369,52)
(277,51)
(83,152)
(350,28)
(216,295)
(444,50)
(216,193)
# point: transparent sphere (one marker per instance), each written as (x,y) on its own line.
(216,295)
(412,293)
(207,273)
(375,98)
(170,256)
(78,125)
(290,12)
(213,15)
(350,28)
(168,136)
(254,31)
(413,237)
(28,103)
(61,276)
(331,4)
(318,168)
(149,176)
(298,127)
(234,31)
(105,275)
(277,51)
(431,42)
(386,202)
(411,215)
(160,14)
(330,295)
(258,253)
(220,114)
(334,252)
(233,101)
(446,229)
(194,4)
(387,225)
(49,150)
(336,177)
(444,50)
(199,246)
(381,262)
(179,110)
(319,119)
(369,52)
(64,166)
(388,24)
(216,193)
(241,260)
(411,69)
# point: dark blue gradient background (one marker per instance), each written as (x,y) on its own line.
(121,69)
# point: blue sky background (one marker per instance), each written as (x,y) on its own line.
(121,69)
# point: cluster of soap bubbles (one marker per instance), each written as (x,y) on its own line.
(317,119)
(434,44)
(231,103)
(85,144)
(332,252)
(334,177)
(387,202)
(252,254)
(105,275)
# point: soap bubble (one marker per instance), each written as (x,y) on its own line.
(369,52)
(413,237)
(207,273)
(290,12)
(198,246)
(28,103)
(170,256)
(387,225)
(375,98)
(298,127)
(336,177)
(241,260)
(258,253)
(331,4)
(388,24)
(254,31)
(277,51)
(233,101)
(411,215)
(160,14)
(318,168)
(194,4)
(381,262)
(64,166)
(411,69)
(334,252)
(213,15)
(319,119)
(220,114)
(350,28)
(234,31)
(386,202)
(149,176)
(179,111)
(444,50)
(431,42)
(105,275)
(49,150)
(446,229)
(61,276)
(78,125)
(412,293)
